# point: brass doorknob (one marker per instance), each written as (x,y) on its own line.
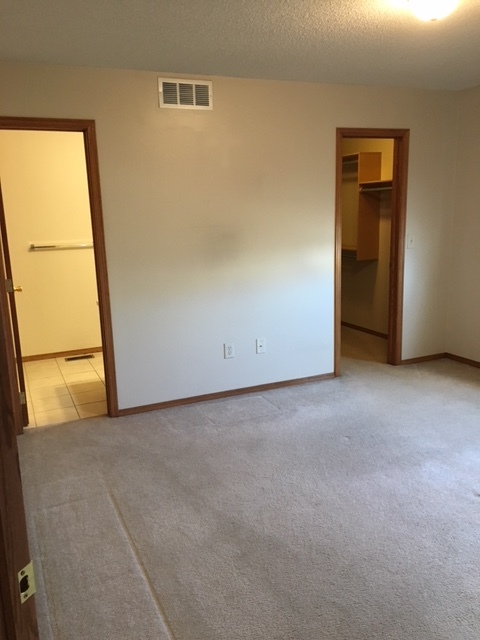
(18,289)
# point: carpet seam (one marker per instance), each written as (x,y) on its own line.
(35,509)
(37,563)
(136,554)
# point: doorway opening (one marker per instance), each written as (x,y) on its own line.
(371,184)
(65,267)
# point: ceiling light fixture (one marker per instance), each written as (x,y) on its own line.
(431,10)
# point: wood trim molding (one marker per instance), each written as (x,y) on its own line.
(225,394)
(337,313)
(397,243)
(44,124)
(434,356)
(93,173)
(438,356)
(365,330)
(87,127)
(61,354)
(19,620)
(471,363)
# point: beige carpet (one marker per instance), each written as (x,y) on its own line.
(343,510)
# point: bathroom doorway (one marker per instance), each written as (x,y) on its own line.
(54,232)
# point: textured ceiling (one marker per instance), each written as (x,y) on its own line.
(375,42)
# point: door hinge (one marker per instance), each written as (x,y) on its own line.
(9,285)
(23,397)
(26,582)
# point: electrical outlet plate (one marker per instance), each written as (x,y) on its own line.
(261,345)
(228,350)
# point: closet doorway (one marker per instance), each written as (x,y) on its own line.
(371,183)
(53,246)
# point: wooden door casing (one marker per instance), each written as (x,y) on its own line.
(13,318)
(19,619)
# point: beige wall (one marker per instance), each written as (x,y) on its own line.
(464,260)
(220,225)
(365,283)
(45,194)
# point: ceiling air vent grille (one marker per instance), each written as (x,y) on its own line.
(185,94)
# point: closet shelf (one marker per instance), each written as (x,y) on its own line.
(375,185)
(351,158)
(360,212)
(349,252)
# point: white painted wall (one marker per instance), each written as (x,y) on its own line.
(220,225)
(365,284)
(464,300)
(44,185)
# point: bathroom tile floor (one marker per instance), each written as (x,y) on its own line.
(60,391)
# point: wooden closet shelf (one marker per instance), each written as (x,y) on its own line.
(352,158)
(375,185)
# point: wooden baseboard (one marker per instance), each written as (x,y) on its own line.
(438,356)
(365,330)
(224,394)
(434,356)
(471,363)
(61,354)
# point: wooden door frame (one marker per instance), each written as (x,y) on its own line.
(397,237)
(17,620)
(87,128)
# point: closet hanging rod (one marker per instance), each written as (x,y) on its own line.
(52,246)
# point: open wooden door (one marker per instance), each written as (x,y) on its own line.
(12,290)
(17,609)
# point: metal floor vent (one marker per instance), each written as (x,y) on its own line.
(185,94)
(84,356)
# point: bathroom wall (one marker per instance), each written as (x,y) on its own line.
(365,284)
(45,194)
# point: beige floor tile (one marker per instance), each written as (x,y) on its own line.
(92,409)
(81,376)
(76,366)
(49,392)
(100,369)
(40,369)
(41,383)
(41,372)
(56,416)
(46,362)
(87,397)
(84,387)
(48,404)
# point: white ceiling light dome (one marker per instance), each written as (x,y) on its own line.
(430,10)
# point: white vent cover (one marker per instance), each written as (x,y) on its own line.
(185,94)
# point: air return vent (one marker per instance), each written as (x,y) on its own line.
(185,94)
